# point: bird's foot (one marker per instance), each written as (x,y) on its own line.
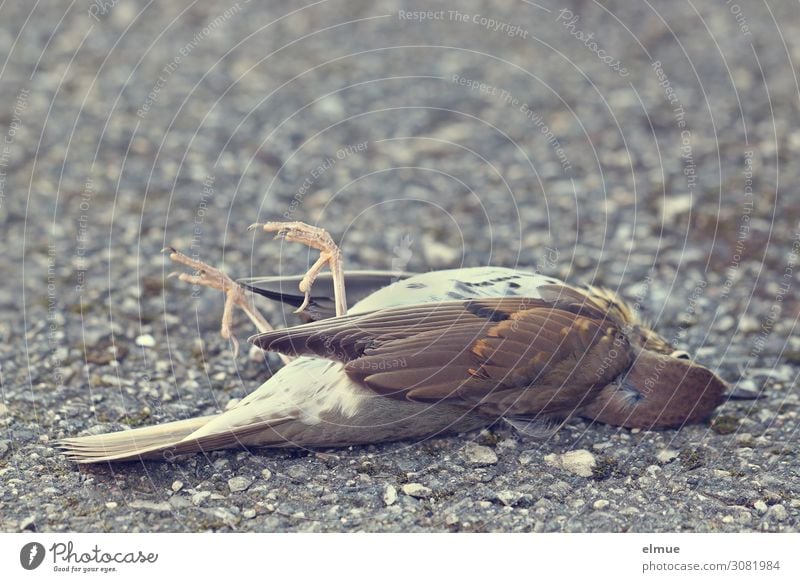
(235,295)
(316,238)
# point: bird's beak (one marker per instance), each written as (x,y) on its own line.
(738,393)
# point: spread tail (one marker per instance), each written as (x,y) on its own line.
(165,441)
(150,442)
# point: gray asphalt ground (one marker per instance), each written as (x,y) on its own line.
(648,147)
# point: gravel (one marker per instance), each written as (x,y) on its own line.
(580,462)
(673,183)
(479,455)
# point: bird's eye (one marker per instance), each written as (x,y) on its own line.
(681,355)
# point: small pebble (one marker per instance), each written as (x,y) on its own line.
(390,495)
(664,456)
(777,512)
(748,323)
(177,486)
(154,506)
(744,517)
(417,490)
(479,455)
(439,255)
(579,462)
(236,484)
(673,206)
(331,106)
(601,504)
(199,497)
(146,341)
(509,498)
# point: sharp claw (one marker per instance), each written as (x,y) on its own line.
(174,274)
(305,303)
(235,343)
(254,226)
(169,250)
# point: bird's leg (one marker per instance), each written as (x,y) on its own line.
(329,254)
(235,296)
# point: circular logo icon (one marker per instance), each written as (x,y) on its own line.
(31,555)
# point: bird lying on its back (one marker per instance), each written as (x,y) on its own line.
(431,354)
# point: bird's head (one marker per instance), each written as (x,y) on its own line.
(663,387)
(658,391)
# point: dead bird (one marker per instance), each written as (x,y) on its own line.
(429,354)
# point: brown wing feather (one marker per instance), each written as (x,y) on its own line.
(350,334)
(509,356)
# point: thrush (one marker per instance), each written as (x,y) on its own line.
(428,354)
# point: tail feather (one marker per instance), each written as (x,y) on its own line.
(165,441)
(139,443)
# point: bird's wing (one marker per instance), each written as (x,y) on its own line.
(321,306)
(507,356)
